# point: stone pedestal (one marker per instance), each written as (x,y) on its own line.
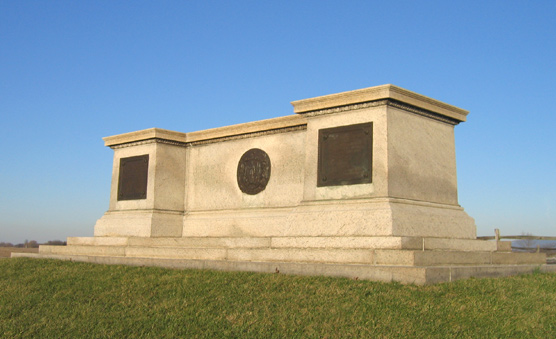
(159,212)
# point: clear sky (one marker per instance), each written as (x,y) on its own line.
(72,72)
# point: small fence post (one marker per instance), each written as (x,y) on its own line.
(497,238)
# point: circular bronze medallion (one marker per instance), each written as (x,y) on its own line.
(253,171)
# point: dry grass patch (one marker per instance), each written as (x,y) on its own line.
(5,252)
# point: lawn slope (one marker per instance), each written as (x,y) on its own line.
(49,298)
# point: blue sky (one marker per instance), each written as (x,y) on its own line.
(72,72)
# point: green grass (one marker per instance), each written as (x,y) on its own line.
(52,299)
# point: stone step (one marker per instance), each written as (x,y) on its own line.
(323,255)
(187,242)
(255,254)
(406,243)
(143,252)
(201,242)
(83,250)
(518,258)
(403,274)
(347,242)
(354,256)
(430,258)
(441,258)
(233,254)
(400,243)
(177,253)
(467,245)
(98,241)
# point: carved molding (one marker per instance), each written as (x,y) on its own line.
(422,112)
(214,140)
(385,102)
(346,108)
(149,141)
(249,135)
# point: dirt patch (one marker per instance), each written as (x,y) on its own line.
(6,252)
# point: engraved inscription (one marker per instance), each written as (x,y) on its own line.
(253,171)
(345,155)
(132,181)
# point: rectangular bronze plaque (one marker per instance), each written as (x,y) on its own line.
(345,155)
(132,181)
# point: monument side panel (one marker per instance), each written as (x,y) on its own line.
(212,182)
(370,182)
(421,157)
(169,185)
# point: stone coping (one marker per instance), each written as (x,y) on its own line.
(247,128)
(378,93)
(260,126)
(146,134)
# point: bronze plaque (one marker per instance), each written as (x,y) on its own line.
(132,181)
(253,171)
(345,155)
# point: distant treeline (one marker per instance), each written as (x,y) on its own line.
(33,244)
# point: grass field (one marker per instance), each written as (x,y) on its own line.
(51,299)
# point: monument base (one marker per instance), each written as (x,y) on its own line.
(366,258)
(355,217)
(141,223)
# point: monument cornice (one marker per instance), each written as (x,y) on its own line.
(380,95)
(149,141)
(241,131)
(287,129)
(151,135)
(422,112)
(385,102)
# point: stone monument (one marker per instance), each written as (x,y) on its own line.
(358,184)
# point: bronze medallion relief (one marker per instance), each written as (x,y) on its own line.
(253,171)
